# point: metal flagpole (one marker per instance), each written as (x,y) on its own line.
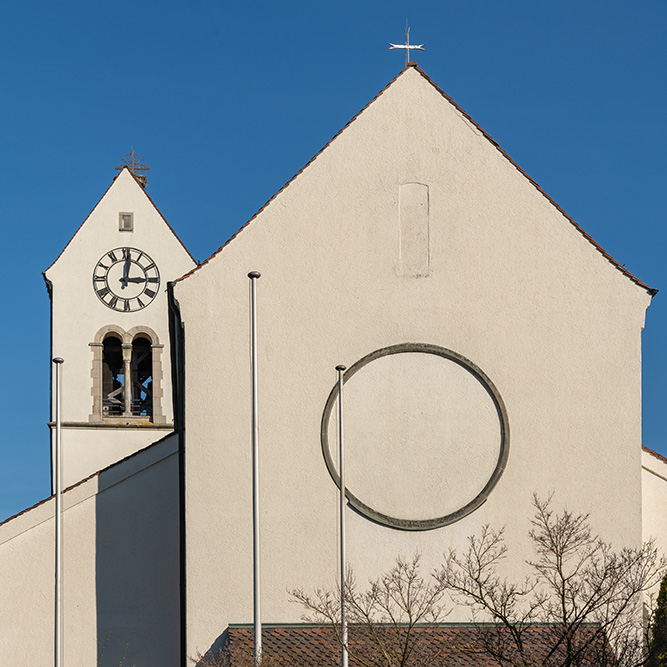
(343,559)
(58,643)
(257,617)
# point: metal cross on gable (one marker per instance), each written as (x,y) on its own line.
(136,164)
(407,46)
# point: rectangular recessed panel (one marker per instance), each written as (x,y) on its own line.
(414,250)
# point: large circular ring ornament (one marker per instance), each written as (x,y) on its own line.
(426,436)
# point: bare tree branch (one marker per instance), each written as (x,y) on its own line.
(587,597)
(382,619)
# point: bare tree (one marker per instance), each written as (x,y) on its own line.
(580,605)
(386,619)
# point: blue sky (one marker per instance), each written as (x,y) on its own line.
(227,101)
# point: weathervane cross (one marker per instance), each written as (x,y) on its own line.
(407,46)
(136,164)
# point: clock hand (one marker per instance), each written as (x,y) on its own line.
(126,270)
(135,280)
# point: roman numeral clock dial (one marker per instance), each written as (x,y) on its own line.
(126,279)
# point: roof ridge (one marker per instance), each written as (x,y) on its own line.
(652,291)
(307,625)
(413,65)
(410,65)
(136,180)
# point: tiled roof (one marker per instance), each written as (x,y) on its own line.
(413,65)
(455,645)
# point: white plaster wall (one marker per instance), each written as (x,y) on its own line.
(425,423)
(120,541)
(512,286)
(88,450)
(654,499)
(78,314)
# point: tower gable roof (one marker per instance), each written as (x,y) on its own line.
(113,183)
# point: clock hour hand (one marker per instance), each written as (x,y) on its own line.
(126,270)
(135,280)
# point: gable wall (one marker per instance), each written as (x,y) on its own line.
(654,499)
(512,286)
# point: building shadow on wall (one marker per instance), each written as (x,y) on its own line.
(136,561)
(215,655)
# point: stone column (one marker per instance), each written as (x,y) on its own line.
(127,389)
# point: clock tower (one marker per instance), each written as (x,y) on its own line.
(110,324)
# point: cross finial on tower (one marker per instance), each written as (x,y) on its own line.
(407,46)
(136,164)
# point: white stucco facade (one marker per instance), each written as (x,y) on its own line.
(493,351)
(470,257)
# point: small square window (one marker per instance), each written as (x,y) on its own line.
(126,222)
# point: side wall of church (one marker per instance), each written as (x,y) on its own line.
(654,499)
(120,580)
(352,261)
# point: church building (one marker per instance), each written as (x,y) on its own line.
(493,351)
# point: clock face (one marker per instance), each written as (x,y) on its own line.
(126,279)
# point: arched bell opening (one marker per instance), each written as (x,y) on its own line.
(127,376)
(113,377)
(142,378)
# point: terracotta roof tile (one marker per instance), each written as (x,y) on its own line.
(455,645)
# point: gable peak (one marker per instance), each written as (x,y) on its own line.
(121,180)
(409,68)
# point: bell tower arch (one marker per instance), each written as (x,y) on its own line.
(127,375)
